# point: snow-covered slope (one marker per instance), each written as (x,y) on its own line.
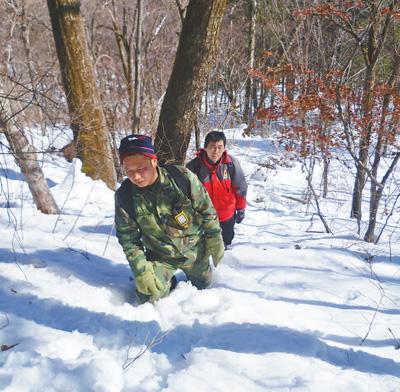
(291,308)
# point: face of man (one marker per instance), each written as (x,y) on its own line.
(215,150)
(141,170)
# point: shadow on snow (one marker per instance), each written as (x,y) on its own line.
(89,268)
(242,338)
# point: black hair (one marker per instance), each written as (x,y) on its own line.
(214,136)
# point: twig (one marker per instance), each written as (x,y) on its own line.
(84,254)
(372,320)
(7,323)
(156,339)
(66,199)
(80,212)
(397,346)
(108,238)
(387,219)
(5,347)
(319,213)
(311,224)
(302,201)
(375,278)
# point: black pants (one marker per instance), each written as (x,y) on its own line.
(227,230)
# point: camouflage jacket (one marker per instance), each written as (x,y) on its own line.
(155,233)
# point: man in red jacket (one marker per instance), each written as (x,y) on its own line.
(224,180)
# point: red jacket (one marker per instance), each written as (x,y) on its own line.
(224,181)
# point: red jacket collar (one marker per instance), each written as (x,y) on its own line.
(202,155)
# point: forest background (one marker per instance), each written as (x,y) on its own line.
(321,77)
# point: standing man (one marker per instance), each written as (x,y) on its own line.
(224,180)
(164,220)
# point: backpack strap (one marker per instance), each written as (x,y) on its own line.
(194,165)
(180,180)
(125,192)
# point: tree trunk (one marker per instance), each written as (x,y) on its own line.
(197,45)
(138,66)
(252,6)
(124,44)
(365,141)
(26,158)
(376,191)
(370,54)
(87,117)
(254,95)
(373,209)
(197,134)
(290,86)
(325,176)
(375,200)
(206,98)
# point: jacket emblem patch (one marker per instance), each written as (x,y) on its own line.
(182,220)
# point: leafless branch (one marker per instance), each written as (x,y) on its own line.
(145,346)
(397,346)
(7,323)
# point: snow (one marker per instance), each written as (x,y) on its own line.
(291,308)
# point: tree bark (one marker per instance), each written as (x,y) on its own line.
(365,141)
(193,59)
(376,191)
(375,200)
(371,52)
(26,158)
(124,44)
(87,117)
(252,6)
(325,176)
(138,67)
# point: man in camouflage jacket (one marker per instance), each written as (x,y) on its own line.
(168,230)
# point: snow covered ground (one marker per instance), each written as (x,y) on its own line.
(291,307)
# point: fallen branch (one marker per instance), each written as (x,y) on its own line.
(5,347)
(6,324)
(397,346)
(155,340)
(302,201)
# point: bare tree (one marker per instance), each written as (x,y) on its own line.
(86,112)
(23,98)
(192,64)
(371,46)
(138,66)
(26,158)
(377,187)
(252,8)
(124,39)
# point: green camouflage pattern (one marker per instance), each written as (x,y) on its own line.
(154,235)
